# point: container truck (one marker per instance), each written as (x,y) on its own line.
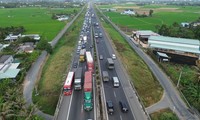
(90,63)
(88,105)
(82,55)
(77,81)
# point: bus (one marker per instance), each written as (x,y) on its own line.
(110,63)
(68,84)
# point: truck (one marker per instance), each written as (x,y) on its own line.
(110,63)
(77,81)
(88,105)
(90,63)
(82,55)
(105,76)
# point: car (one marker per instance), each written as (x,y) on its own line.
(113,56)
(123,106)
(100,57)
(110,107)
(75,65)
(97,41)
(100,35)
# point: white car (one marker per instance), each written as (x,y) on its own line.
(113,56)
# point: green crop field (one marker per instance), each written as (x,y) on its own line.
(162,15)
(35,20)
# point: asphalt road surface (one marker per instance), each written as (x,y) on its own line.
(115,94)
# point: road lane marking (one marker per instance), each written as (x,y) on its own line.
(70,106)
(114,94)
(120,117)
(82,108)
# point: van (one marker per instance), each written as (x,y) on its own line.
(115,82)
(123,106)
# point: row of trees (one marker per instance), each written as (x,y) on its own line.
(175,30)
(7,30)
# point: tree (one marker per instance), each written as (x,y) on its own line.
(150,12)
(44,45)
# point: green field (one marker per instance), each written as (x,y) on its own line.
(35,20)
(55,69)
(162,15)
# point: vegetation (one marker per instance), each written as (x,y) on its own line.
(35,20)
(147,86)
(165,114)
(55,69)
(176,30)
(189,81)
(44,45)
(162,14)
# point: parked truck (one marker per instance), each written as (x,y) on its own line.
(88,105)
(105,76)
(77,81)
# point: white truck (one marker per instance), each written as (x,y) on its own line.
(77,81)
(105,76)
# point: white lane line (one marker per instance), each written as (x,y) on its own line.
(114,94)
(70,105)
(82,108)
(120,117)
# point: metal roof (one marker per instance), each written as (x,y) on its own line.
(146,32)
(177,44)
(174,40)
(4,58)
(10,73)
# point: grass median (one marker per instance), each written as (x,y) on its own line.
(54,71)
(147,86)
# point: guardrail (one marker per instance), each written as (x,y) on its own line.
(127,39)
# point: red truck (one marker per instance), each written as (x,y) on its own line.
(90,63)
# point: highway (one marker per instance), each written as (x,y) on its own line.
(72,106)
(114,94)
(178,104)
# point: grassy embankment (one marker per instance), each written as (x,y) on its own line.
(35,20)
(54,71)
(147,86)
(161,15)
(165,114)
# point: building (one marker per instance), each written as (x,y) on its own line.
(28,47)
(12,37)
(185,24)
(178,46)
(141,36)
(8,69)
(128,12)
(36,37)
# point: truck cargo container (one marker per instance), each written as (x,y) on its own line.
(77,81)
(90,63)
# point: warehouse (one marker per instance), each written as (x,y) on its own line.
(177,48)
